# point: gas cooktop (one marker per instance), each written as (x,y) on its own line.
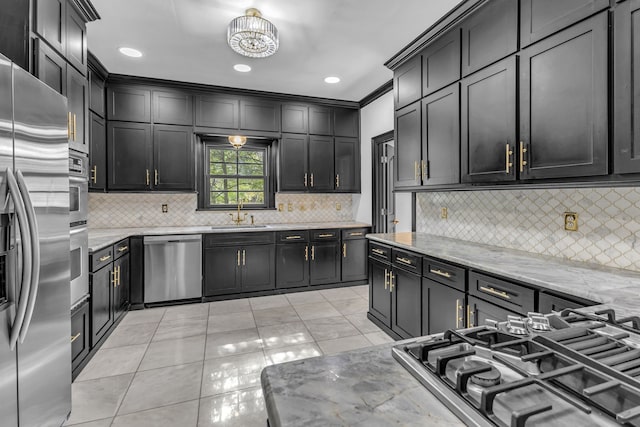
(560,369)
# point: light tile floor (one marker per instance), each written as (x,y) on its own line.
(199,364)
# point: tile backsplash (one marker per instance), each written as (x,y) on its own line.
(117,210)
(532,221)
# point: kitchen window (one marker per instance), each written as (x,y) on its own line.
(237,176)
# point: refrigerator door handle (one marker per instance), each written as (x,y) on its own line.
(26,258)
(34,236)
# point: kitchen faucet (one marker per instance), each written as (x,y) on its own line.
(239,219)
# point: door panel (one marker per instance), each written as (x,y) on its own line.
(442,307)
(379,293)
(325,263)
(76,43)
(354,260)
(292,268)
(480,311)
(347,164)
(320,121)
(406,304)
(408,146)
(129,104)
(259,115)
(258,267)
(172,108)
(218,112)
(50,18)
(173,158)
(97,152)
(293,163)
(407,83)
(50,67)
(129,152)
(221,270)
(321,160)
(295,118)
(78,98)
(441,62)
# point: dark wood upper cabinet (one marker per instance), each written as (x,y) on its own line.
(488,129)
(172,108)
(50,67)
(441,137)
(321,157)
(97,153)
(76,40)
(489,34)
(407,82)
(217,111)
(563,103)
(50,22)
(441,62)
(347,164)
(14,32)
(295,118)
(173,158)
(96,94)
(320,120)
(408,148)
(129,104)
(293,163)
(541,18)
(257,114)
(346,122)
(129,156)
(626,88)
(77,103)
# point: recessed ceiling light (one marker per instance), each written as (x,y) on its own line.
(128,51)
(332,80)
(243,68)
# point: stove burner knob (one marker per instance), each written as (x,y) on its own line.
(491,323)
(538,322)
(516,325)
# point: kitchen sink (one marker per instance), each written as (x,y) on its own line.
(238,227)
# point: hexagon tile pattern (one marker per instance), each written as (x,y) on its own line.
(532,221)
(116,210)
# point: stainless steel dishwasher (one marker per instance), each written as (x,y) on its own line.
(172,267)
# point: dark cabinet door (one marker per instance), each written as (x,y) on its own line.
(258,267)
(293,163)
(379,292)
(295,118)
(442,307)
(172,108)
(548,303)
(408,146)
(217,111)
(50,22)
(488,129)
(541,18)
(292,269)
(101,302)
(407,82)
(563,103)
(129,104)
(406,303)
(354,260)
(480,311)
(346,122)
(489,35)
(259,115)
(325,263)
(347,164)
(441,137)
(96,94)
(77,103)
(80,335)
(173,160)
(441,62)
(97,153)
(221,270)
(50,67)
(321,177)
(76,40)
(320,120)
(121,287)
(129,156)
(626,88)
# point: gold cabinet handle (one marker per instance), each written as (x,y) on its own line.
(104,258)
(386,279)
(123,248)
(244,257)
(377,251)
(416,171)
(358,233)
(508,164)
(238,257)
(76,336)
(305,179)
(156,176)
(114,277)
(311,180)
(94,174)
(306,253)
(75,128)
(440,273)
(148,182)
(457,313)
(326,235)
(344,250)
(404,260)
(489,290)
(69,126)
(523,162)
(337,180)
(313,253)
(119,275)
(391,278)
(395,221)
(293,237)
(470,317)
(424,169)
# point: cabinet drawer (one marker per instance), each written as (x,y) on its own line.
(379,251)
(224,239)
(500,292)
(121,248)
(406,260)
(79,334)
(444,273)
(292,236)
(101,258)
(354,233)
(319,235)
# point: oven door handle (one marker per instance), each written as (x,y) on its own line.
(34,236)
(27,259)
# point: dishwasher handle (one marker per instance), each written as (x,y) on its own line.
(158,240)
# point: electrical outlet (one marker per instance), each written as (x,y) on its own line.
(338,206)
(571,221)
(290,207)
(280,207)
(165,208)
(444,213)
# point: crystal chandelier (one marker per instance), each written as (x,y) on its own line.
(252,35)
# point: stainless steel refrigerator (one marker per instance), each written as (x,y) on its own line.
(35,326)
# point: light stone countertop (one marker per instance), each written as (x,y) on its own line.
(102,237)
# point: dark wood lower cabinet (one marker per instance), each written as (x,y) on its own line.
(548,303)
(80,342)
(354,260)
(379,293)
(101,302)
(292,268)
(406,303)
(442,307)
(236,269)
(121,289)
(221,271)
(480,311)
(258,268)
(324,266)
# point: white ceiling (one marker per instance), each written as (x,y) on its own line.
(185,40)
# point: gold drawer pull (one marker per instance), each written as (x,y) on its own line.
(75,337)
(404,260)
(359,233)
(293,237)
(326,235)
(104,258)
(440,273)
(123,248)
(377,251)
(501,294)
